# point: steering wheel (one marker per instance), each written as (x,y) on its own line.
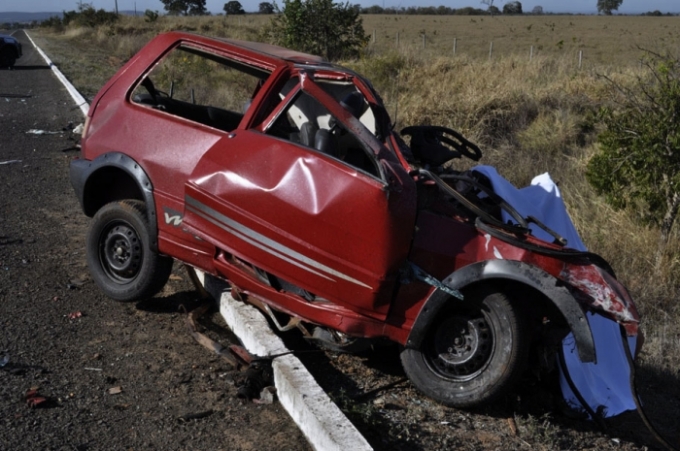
(436,145)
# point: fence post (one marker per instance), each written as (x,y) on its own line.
(491,50)
(580,58)
(423,40)
(455,44)
(397,39)
(531,53)
(374,35)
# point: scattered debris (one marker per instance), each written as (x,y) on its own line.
(10,162)
(4,360)
(267,396)
(206,341)
(35,131)
(33,399)
(195,416)
(75,283)
(79,129)
(256,377)
(379,389)
(115,390)
(175,277)
(513,426)
(74,315)
(92,369)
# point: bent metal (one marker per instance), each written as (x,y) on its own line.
(283,175)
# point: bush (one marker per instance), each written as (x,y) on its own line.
(150,16)
(87,16)
(321,27)
(638,163)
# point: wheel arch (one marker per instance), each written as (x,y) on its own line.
(113,177)
(519,274)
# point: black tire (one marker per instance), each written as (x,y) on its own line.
(7,58)
(473,352)
(119,254)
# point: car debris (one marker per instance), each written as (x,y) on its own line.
(35,131)
(195,416)
(115,390)
(289,181)
(10,162)
(33,399)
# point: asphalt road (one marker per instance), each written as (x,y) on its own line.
(104,375)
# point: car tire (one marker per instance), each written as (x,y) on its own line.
(119,254)
(475,351)
(7,58)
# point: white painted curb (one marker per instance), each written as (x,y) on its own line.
(79,99)
(322,422)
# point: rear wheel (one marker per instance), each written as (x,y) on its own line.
(119,255)
(7,58)
(474,352)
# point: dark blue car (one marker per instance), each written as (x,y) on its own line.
(10,50)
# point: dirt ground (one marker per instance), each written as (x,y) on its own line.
(129,376)
(62,337)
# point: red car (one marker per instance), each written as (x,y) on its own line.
(281,173)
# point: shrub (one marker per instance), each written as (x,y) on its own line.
(321,27)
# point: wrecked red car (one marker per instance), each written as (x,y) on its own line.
(281,174)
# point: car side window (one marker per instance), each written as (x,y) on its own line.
(201,87)
(305,121)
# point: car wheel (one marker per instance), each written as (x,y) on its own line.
(7,58)
(473,352)
(119,254)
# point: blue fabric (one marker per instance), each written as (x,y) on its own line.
(604,385)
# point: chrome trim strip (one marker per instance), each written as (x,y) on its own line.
(264,243)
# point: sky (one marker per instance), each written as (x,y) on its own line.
(215,6)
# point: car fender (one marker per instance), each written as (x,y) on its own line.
(81,173)
(532,276)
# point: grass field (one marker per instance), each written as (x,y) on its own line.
(530,116)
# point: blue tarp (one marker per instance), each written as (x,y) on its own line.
(605,385)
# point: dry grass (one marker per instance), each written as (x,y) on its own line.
(531,116)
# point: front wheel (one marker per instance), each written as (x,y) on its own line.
(119,255)
(473,352)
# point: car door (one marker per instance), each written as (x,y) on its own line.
(338,226)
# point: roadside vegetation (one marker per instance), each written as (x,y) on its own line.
(530,115)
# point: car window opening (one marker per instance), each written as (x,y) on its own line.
(305,121)
(201,87)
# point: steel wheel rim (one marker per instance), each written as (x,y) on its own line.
(120,252)
(461,346)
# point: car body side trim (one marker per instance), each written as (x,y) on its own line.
(266,244)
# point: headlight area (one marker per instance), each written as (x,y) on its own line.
(597,289)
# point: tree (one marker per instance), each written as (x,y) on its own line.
(333,30)
(233,7)
(607,6)
(512,8)
(538,10)
(266,8)
(491,9)
(637,165)
(184,7)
